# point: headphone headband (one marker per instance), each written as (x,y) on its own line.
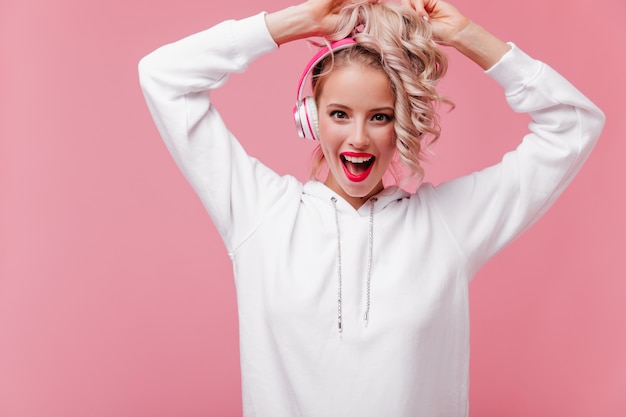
(320,55)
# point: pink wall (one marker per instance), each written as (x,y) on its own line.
(116,296)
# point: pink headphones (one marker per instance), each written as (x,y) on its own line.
(305,110)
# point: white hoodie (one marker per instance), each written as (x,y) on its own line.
(301,253)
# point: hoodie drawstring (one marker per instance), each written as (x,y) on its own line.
(339,265)
(370,245)
(339,278)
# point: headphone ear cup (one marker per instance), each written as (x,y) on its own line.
(305,115)
(311,110)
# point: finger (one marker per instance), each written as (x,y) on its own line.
(418,6)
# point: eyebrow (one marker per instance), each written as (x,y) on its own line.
(342,106)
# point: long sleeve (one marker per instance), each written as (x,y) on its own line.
(486,210)
(176,79)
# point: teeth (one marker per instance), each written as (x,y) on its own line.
(357,159)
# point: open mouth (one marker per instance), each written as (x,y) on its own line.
(357,166)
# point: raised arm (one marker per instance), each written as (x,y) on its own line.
(177,80)
(485,210)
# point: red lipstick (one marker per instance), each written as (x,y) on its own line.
(356,165)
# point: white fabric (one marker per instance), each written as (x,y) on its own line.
(412,359)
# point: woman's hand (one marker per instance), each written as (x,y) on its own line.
(446,20)
(450,27)
(311,18)
(326,12)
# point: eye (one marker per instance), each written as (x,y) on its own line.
(382,117)
(338,114)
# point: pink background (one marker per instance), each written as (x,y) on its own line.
(116,295)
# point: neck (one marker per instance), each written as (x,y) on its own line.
(355,202)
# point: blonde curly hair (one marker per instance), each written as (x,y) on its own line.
(396,40)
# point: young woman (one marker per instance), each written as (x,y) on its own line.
(353,295)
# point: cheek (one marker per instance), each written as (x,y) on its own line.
(330,134)
(327,127)
(387,140)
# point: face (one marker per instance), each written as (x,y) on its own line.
(356,130)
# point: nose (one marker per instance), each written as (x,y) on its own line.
(360,137)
